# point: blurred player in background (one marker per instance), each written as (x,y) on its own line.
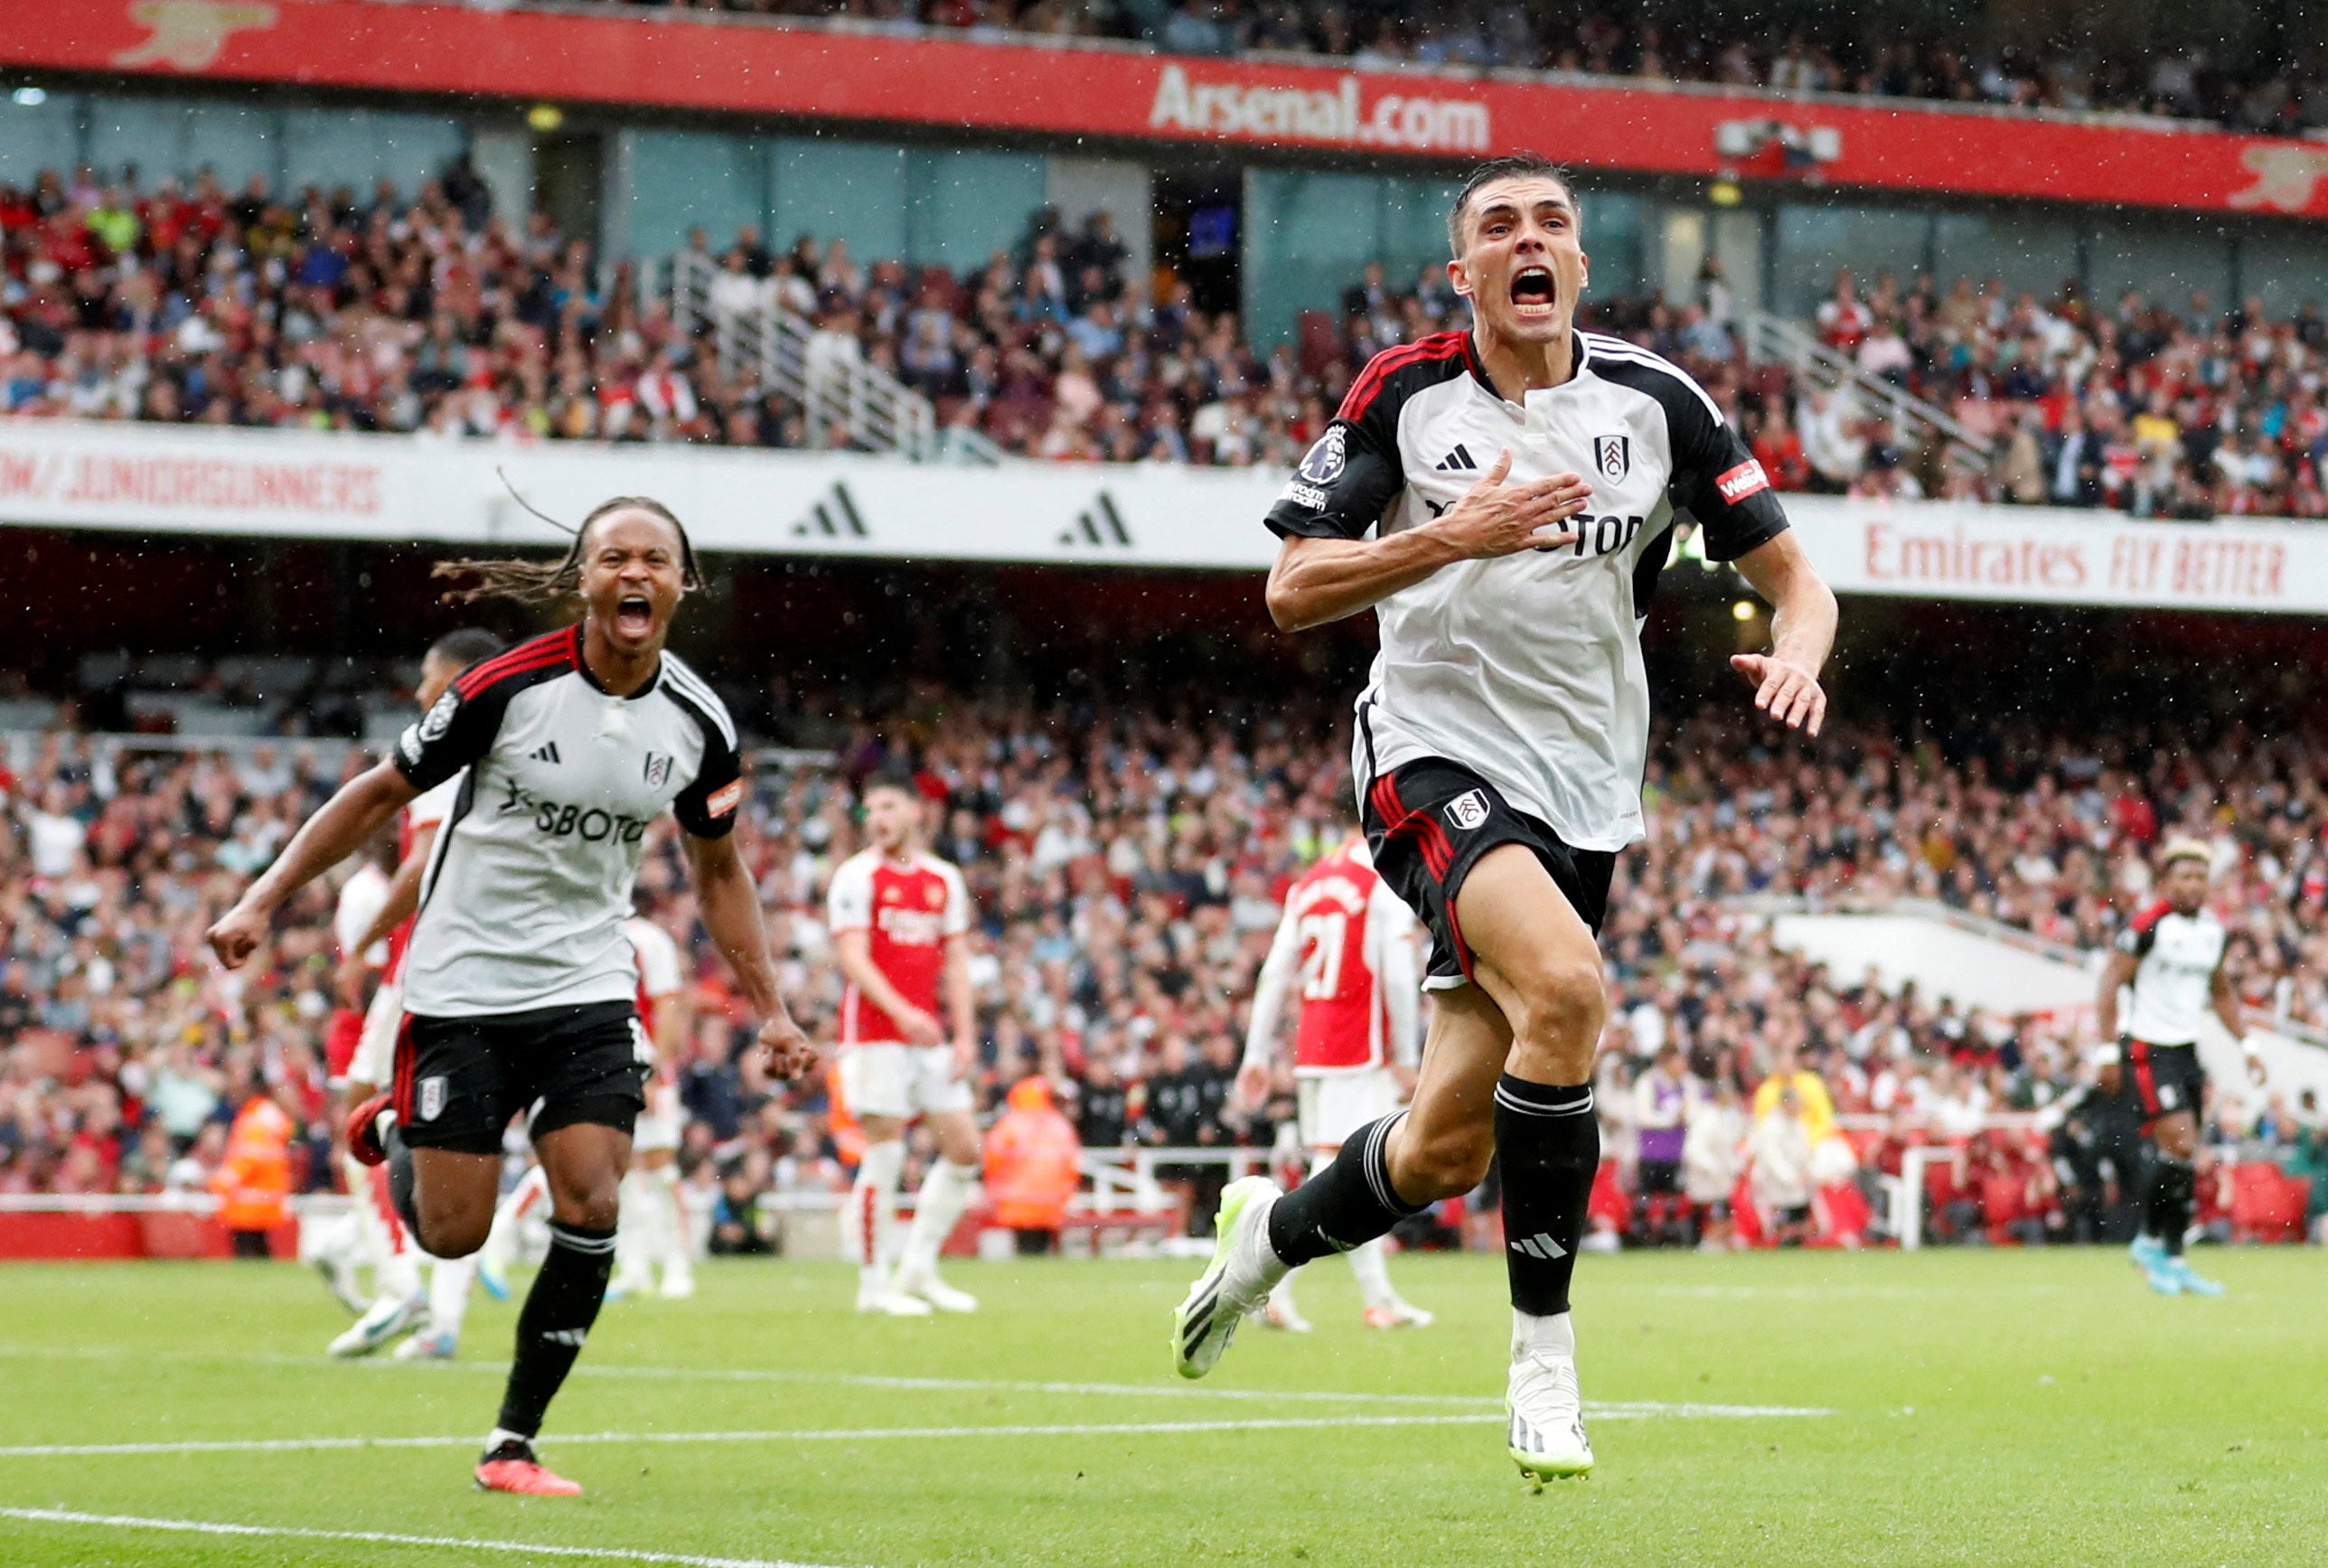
(338,1248)
(1348,944)
(397,1304)
(900,920)
(654,1232)
(2169,960)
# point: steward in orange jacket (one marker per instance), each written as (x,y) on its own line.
(254,1180)
(1032,1166)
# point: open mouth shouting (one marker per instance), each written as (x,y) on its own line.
(633,616)
(1535,292)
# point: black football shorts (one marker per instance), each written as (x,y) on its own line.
(1430,821)
(2164,1079)
(458,1081)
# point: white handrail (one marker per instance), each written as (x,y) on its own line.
(873,408)
(1769,337)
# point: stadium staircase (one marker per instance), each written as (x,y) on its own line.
(873,410)
(1774,339)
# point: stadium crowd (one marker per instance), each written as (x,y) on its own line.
(202,306)
(1813,52)
(1127,864)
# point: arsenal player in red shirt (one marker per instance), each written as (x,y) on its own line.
(900,920)
(1346,947)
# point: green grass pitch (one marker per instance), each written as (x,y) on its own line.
(1980,1407)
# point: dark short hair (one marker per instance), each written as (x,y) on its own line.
(895,777)
(465,646)
(1516,167)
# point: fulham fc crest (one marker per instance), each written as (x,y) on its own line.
(1612,456)
(658,769)
(1467,809)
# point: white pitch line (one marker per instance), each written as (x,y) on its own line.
(1638,1411)
(384,1538)
(1006,1386)
(1174,1390)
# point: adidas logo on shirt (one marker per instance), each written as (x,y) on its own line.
(1457,461)
(547,752)
(1540,1246)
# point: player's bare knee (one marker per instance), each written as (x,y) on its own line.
(1564,1004)
(1446,1164)
(452,1233)
(592,1207)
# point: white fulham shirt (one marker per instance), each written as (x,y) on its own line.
(1526,670)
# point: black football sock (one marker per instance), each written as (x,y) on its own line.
(2168,1214)
(1343,1206)
(559,1311)
(1548,1147)
(399,1181)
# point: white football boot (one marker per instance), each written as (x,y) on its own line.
(1398,1312)
(1545,1411)
(385,1319)
(1235,1284)
(883,1301)
(925,1285)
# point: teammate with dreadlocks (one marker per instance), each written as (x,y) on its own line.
(519,982)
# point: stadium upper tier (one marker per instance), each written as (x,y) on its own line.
(409,311)
(2240,83)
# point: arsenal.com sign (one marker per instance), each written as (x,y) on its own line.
(706,61)
(316,486)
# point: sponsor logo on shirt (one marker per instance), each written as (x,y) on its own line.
(1742,481)
(1467,809)
(1613,456)
(911,927)
(725,799)
(591,824)
(1308,495)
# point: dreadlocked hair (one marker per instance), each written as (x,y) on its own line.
(543,582)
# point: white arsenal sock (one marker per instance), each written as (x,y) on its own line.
(872,1211)
(677,1253)
(1370,1262)
(638,1229)
(945,1193)
(509,1218)
(448,1293)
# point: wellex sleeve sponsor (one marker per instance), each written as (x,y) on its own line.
(1716,480)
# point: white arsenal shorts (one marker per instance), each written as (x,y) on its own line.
(375,1062)
(901,1081)
(658,1125)
(1335,1104)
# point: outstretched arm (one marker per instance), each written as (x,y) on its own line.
(359,809)
(729,907)
(1802,633)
